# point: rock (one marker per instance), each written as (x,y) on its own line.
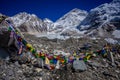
(94,64)
(26,74)
(117,63)
(34,61)
(104,63)
(106,73)
(10,72)
(79,65)
(7,59)
(68,66)
(19,71)
(24,66)
(39,63)
(113,65)
(39,73)
(110,57)
(117,71)
(6,78)
(23,58)
(38,69)
(17,64)
(4,54)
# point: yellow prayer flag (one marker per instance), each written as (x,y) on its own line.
(74,54)
(29,45)
(88,57)
(47,61)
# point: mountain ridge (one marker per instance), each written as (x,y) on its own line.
(31,21)
(102,21)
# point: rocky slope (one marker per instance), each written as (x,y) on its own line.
(28,23)
(103,20)
(98,68)
(32,24)
(70,21)
(47,22)
(2,17)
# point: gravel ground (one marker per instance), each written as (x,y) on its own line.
(98,68)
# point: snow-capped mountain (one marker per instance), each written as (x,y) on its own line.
(102,20)
(32,24)
(66,25)
(2,17)
(48,23)
(28,22)
(1,14)
(72,18)
(69,21)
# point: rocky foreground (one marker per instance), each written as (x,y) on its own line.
(98,68)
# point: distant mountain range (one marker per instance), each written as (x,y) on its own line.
(102,21)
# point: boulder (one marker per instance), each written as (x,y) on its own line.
(111,58)
(79,65)
(38,63)
(9,47)
(3,53)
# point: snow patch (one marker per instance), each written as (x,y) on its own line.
(110,40)
(82,27)
(53,36)
(116,33)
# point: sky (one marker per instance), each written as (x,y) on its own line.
(52,9)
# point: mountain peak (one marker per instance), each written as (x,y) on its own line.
(99,20)
(77,10)
(1,14)
(22,13)
(47,20)
(116,0)
(24,17)
(25,14)
(72,18)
